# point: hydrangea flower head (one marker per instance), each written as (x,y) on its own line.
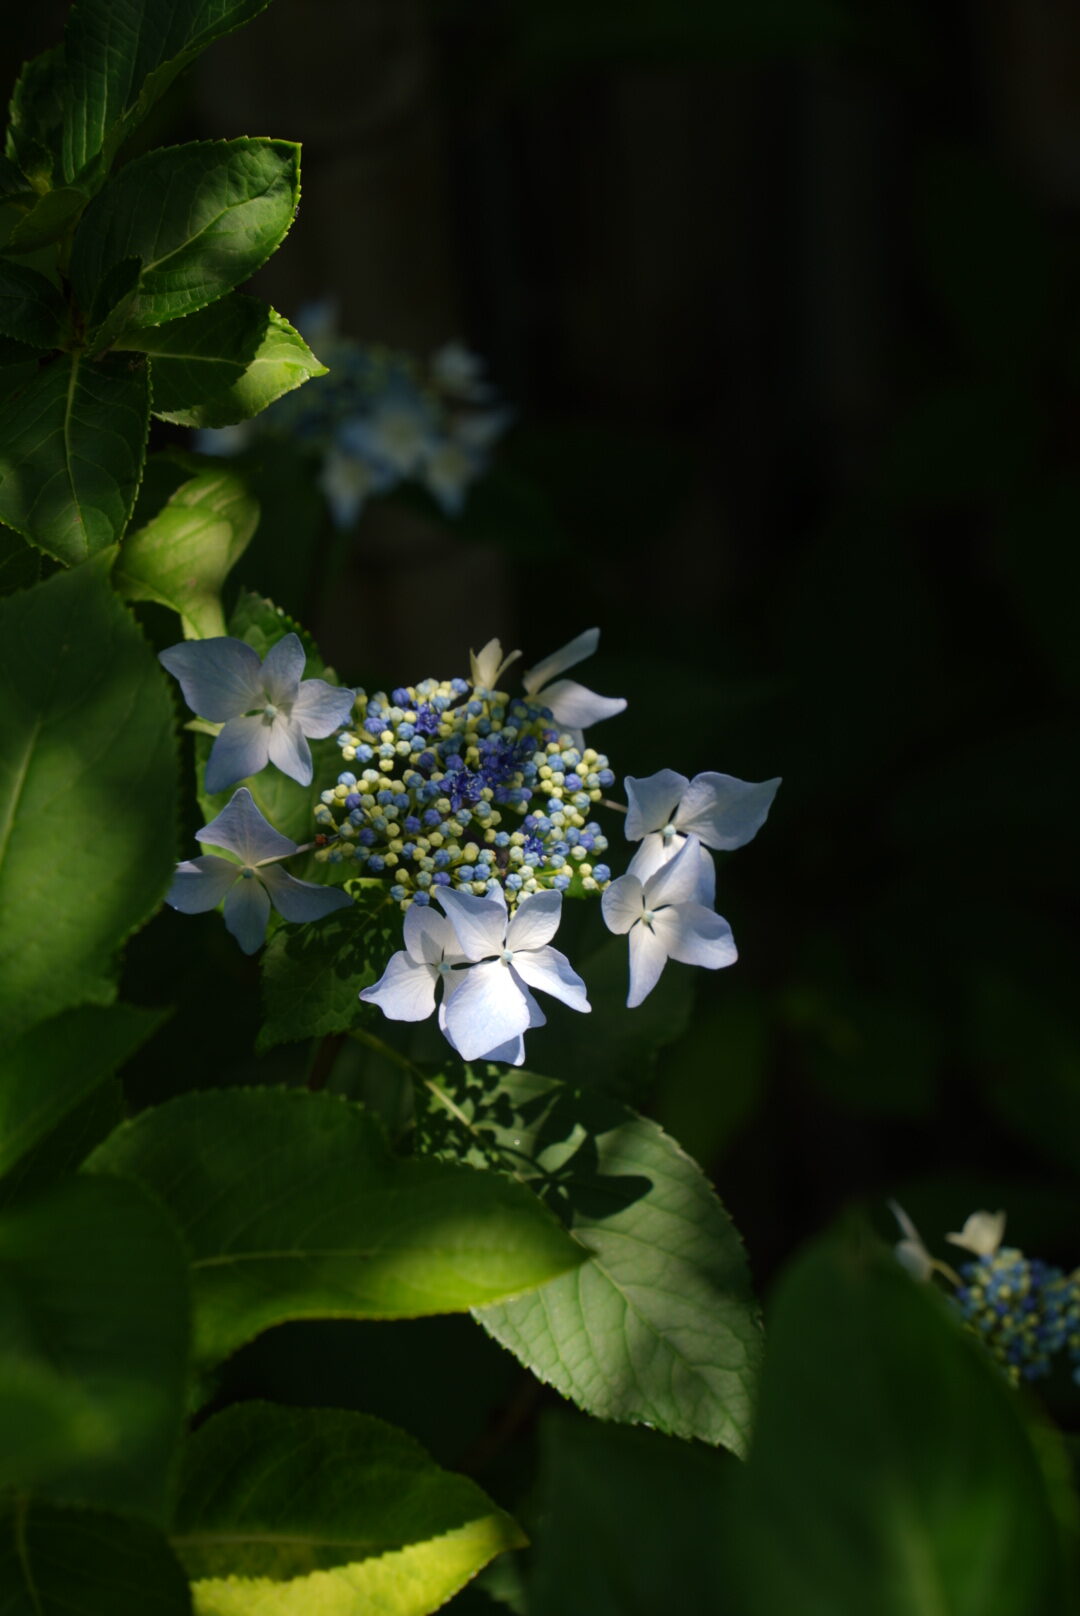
(665,918)
(252,884)
(268,709)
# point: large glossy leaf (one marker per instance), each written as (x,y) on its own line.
(72,441)
(659,1326)
(182,557)
(201,218)
(893,1469)
(57,1064)
(313,974)
(316,1510)
(293,1207)
(31,308)
(94,1287)
(123,54)
(87,792)
(225,363)
(82,1562)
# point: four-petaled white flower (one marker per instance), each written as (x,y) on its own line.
(720,811)
(487,964)
(571,705)
(267,708)
(982,1233)
(250,887)
(666,918)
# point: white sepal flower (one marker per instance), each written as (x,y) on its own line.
(267,708)
(252,885)
(406,989)
(665,808)
(487,666)
(982,1233)
(489,1006)
(912,1254)
(665,918)
(573,706)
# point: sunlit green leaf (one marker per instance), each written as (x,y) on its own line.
(316,1512)
(293,1207)
(282,362)
(182,557)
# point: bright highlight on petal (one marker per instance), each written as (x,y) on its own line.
(665,918)
(982,1233)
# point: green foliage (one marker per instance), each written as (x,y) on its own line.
(93,1345)
(31,308)
(55,1066)
(334,1512)
(82,1562)
(72,441)
(183,555)
(230,204)
(659,1325)
(312,975)
(293,1207)
(87,757)
(49,219)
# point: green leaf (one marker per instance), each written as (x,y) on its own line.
(94,1290)
(223,364)
(20,563)
(312,974)
(50,217)
(36,113)
(57,1064)
(182,557)
(114,299)
(72,442)
(893,1468)
(293,1207)
(58,1154)
(124,54)
(228,205)
(659,1326)
(282,361)
(81,1562)
(31,308)
(87,792)
(319,1511)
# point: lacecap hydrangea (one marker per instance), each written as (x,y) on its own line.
(461,794)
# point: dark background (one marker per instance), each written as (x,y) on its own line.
(785,295)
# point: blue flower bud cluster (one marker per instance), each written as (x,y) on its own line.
(379,418)
(450,785)
(1024,1310)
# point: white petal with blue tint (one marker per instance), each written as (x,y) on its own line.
(724,812)
(220,678)
(623,903)
(283,668)
(695,935)
(575,707)
(486,1009)
(405,991)
(655,851)
(678,881)
(568,656)
(289,751)
(320,708)
(241,750)
(551,972)
(652,801)
(480,923)
(200,884)
(648,956)
(247,909)
(241,829)
(535,920)
(429,936)
(300,901)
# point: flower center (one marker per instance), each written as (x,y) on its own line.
(668,832)
(269,713)
(507,956)
(247,872)
(648,916)
(443,968)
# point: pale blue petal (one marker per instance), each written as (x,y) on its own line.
(696,936)
(283,668)
(220,678)
(321,708)
(648,956)
(679,880)
(487,1009)
(241,750)
(654,852)
(572,706)
(288,749)
(200,884)
(429,936)
(652,801)
(405,991)
(535,920)
(623,903)
(568,656)
(480,923)
(247,909)
(724,812)
(300,900)
(548,971)
(241,829)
